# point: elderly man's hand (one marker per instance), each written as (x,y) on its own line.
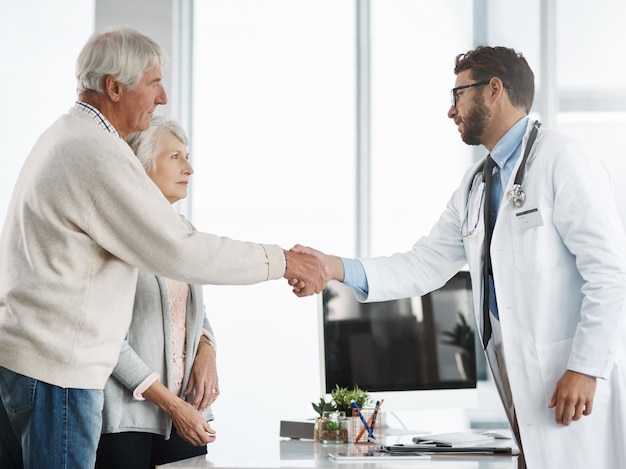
(306,281)
(304,273)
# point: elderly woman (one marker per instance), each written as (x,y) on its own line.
(156,403)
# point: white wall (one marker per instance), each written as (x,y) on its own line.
(40,43)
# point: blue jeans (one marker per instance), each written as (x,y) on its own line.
(58,428)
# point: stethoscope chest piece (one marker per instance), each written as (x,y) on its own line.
(516,196)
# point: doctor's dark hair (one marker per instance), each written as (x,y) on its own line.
(511,67)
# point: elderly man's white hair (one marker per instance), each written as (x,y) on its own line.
(119,51)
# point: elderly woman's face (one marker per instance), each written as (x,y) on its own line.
(171,168)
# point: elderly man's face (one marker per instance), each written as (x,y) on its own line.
(139,103)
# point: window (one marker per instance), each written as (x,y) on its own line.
(418,157)
(273,153)
(590,81)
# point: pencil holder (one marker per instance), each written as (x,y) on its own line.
(358,434)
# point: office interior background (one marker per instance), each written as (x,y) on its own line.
(322,123)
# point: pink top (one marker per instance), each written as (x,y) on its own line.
(178,293)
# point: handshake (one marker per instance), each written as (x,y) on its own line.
(308,270)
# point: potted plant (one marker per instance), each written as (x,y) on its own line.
(335,417)
(343,397)
(331,425)
(323,406)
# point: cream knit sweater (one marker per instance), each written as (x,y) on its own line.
(82,218)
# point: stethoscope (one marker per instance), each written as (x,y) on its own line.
(516,195)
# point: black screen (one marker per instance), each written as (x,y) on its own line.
(417,343)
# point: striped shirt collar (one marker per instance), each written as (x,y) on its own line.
(97,116)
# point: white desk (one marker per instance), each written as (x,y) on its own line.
(270,453)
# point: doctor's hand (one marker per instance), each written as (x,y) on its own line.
(573,397)
(304,273)
(331,267)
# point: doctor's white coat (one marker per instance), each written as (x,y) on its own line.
(559,266)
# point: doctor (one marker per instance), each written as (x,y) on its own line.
(558,269)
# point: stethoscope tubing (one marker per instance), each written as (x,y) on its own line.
(516,195)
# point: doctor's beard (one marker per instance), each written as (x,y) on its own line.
(475,122)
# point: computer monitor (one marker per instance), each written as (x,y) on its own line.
(416,353)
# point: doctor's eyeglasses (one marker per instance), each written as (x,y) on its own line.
(454,91)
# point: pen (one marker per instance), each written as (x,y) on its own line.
(371,422)
(358,411)
(375,414)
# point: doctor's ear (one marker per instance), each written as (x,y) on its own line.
(496,86)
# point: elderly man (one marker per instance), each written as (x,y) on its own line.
(83,217)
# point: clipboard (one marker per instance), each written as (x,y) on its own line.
(439,449)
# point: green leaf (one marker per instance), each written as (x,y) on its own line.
(323,406)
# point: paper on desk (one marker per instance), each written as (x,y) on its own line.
(348,456)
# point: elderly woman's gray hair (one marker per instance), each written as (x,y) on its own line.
(146,144)
(120,51)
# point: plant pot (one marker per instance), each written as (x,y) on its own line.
(332,428)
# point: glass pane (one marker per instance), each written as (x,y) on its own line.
(273,153)
(590,80)
(418,157)
(516,24)
(590,72)
(274,120)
